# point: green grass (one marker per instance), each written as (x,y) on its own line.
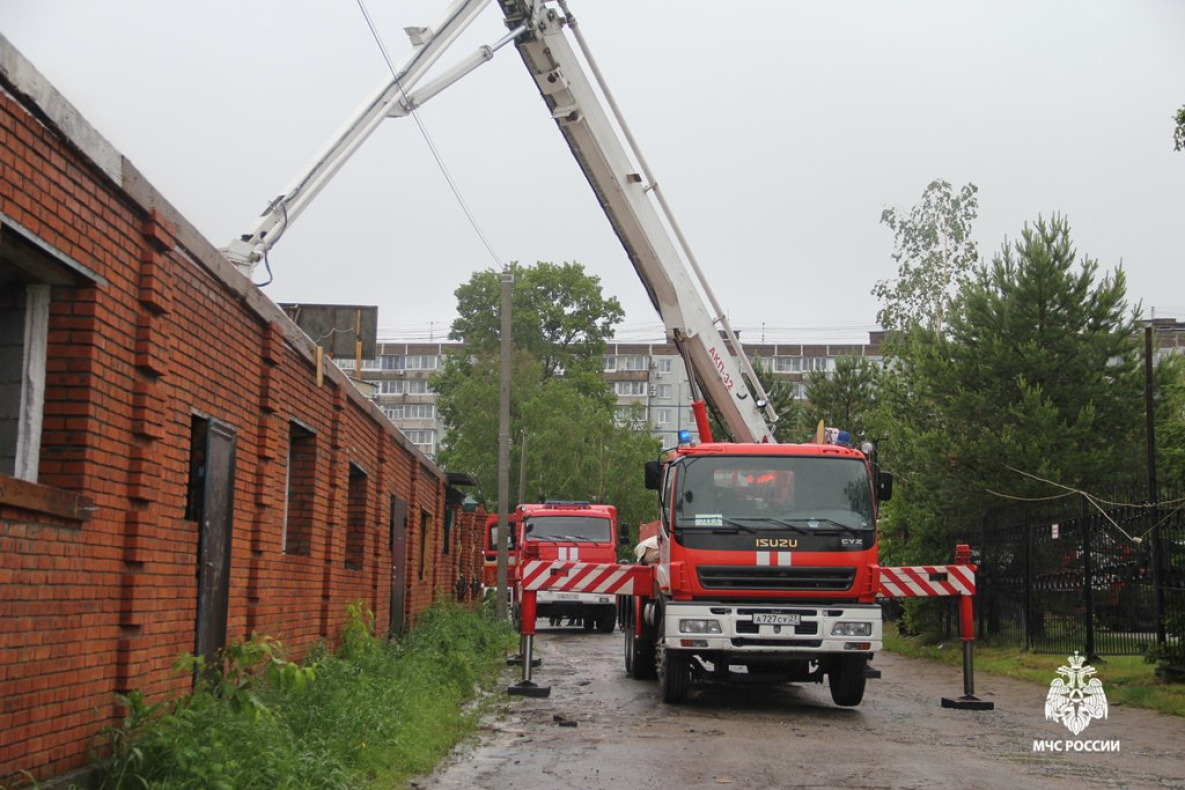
(1128,680)
(372,715)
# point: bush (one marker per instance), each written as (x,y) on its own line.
(373,712)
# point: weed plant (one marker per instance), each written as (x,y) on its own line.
(372,714)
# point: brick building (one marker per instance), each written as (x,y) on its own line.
(176,472)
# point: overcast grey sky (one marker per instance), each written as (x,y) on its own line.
(779,130)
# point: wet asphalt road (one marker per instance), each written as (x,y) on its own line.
(601,729)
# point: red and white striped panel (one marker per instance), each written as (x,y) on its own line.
(588,577)
(918,581)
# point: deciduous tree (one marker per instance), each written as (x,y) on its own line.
(934,251)
(559,315)
(560,400)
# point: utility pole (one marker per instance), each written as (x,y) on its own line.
(504,447)
(522,468)
(1153,492)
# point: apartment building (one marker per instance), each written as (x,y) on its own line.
(652,385)
(399,379)
(648,378)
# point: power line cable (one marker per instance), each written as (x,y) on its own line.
(428,139)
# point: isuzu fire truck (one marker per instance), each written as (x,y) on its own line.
(765,569)
(766,556)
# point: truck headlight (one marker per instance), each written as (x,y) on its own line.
(851,629)
(699,627)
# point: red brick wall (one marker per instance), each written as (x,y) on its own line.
(98,563)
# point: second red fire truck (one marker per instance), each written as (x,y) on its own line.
(569,532)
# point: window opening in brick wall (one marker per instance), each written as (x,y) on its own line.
(24,323)
(356,519)
(398,543)
(30,272)
(297,537)
(448,528)
(425,523)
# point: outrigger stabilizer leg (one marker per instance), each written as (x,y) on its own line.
(517,659)
(525,688)
(967,633)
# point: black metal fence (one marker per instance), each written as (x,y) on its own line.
(1087,580)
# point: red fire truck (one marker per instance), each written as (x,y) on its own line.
(765,568)
(764,564)
(489,577)
(569,531)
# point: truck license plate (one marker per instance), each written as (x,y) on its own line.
(568,596)
(762,618)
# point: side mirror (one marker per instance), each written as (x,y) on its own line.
(623,533)
(884,486)
(653,475)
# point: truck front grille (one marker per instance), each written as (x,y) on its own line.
(781,578)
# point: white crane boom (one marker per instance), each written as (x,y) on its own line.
(633,202)
(392,99)
(624,185)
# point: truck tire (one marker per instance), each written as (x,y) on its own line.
(607,620)
(639,655)
(674,675)
(846,679)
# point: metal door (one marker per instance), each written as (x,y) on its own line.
(214,539)
(398,563)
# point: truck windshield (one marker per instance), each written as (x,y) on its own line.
(570,528)
(492,543)
(773,492)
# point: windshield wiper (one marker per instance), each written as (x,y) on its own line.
(831,523)
(778,522)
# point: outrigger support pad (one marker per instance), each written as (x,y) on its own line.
(525,688)
(517,661)
(968,701)
(528,689)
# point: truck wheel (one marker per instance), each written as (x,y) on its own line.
(846,679)
(607,620)
(674,675)
(589,622)
(640,655)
